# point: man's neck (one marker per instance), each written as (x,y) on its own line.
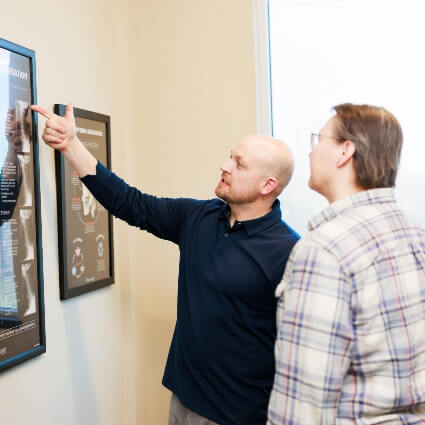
(343,193)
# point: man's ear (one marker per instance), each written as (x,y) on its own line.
(347,153)
(269,185)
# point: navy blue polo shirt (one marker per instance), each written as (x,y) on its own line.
(221,359)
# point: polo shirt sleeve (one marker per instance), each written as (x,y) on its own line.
(163,217)
(314,340)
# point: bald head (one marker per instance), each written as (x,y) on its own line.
(272,157)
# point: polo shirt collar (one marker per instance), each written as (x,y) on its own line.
(259,224)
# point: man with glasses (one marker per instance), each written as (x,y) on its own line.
(350,342)
(233,252)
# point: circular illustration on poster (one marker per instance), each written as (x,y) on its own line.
(77,267)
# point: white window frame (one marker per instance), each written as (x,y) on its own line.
(262,66)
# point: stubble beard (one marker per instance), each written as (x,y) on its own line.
(219,193)
(229,199)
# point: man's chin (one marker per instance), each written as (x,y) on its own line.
(220,194)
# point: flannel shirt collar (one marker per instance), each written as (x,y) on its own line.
(366,197)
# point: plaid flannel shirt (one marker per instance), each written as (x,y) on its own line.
(350,345)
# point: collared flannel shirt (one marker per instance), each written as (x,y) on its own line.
(350,345)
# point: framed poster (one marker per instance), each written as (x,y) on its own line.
(22,327)
(86,256)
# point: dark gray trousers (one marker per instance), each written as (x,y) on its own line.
(180,415)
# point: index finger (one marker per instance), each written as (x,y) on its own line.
(43,111)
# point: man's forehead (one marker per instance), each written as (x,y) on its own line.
(246,145)
(329,124)
(242,150)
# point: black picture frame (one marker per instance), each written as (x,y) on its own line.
(22,315)
(85,229)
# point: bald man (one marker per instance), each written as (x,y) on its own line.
(233,251)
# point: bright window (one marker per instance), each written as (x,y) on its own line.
(331,51)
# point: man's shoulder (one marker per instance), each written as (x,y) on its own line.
(283,231)
(288,231)
(202,203)
(215,203)
(359,235)
(202,206)
(212,205)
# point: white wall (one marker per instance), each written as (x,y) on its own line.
(178,80)
(332,51)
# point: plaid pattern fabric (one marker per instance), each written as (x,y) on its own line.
(350,345)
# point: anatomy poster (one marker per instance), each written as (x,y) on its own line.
(21,302)
(85,226)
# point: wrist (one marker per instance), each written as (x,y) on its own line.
(80,158)
(72,148)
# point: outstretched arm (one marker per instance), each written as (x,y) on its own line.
(60,133)
(161,216)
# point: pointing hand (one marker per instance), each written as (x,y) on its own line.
(59,132)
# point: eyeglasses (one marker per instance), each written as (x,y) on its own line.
(315,139)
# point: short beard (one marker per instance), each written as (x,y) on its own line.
(247,199)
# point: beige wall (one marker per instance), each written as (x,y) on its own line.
(196,98)
(177,78)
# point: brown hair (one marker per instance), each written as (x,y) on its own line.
(378,138)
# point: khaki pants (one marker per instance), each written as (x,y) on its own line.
(180,415)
